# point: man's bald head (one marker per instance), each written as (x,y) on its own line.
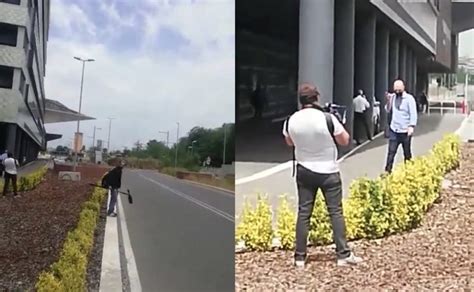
(398,85)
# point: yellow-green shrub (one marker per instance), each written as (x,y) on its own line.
(377,207)
(255,228)
(320,231)
(29,181)
(69,272)
(286,224)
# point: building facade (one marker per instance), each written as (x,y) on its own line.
(24,28)
(340,46)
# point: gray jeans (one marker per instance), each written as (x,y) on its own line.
(113,200)
(331,186)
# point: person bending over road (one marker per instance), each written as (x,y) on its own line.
(113,181)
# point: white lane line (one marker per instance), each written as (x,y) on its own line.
(461,131)
(265,173)
(193,200)
(227,193)
(111,274)
(132,270)
(281,167)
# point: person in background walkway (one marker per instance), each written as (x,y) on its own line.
(10,165)
(404,115)
(113,181)
(361,105)
(314,135)
(424,102)
(2,158)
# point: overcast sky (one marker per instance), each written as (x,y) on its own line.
(157,63)
(466,44)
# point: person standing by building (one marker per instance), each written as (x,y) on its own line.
(361,105)
(404,116)
(424,102)
(10,164)
(314,134)
(2,158)
(113,181)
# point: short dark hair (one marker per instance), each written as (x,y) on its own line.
(10,155)
(308,94)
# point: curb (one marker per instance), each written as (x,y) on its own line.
(111,272)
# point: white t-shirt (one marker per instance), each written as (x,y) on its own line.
(10,165)
(360,104)
(314,146)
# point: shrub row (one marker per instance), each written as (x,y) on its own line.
(30,181)
(374,208)
(69,272)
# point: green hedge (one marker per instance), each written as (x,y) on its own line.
(28,182)
(69,272)
(374,208)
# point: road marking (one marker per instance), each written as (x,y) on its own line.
(132,270)
(278,168)
(265,173)
(227,193)
(111,274)
(194,200)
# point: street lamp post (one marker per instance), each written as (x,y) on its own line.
(176,154)
(80,105)
(225,140)
(167,137)
(192,147)
(93,137)
(108,139)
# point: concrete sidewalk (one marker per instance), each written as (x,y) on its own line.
(368,160)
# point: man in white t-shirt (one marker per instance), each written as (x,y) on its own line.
(10,165)
(316,153)
(361,104)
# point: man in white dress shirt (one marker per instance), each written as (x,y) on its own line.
(361,104)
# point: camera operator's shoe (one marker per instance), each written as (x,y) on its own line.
(300,264)
(350,260)
(112,214)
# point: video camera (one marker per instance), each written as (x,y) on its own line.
(339,111)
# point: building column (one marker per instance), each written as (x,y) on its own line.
(365,56)
(316,45)
(382,68)
(394,55)
(409,71)
(344,57)
(402,62)
(11,138)
(415,73)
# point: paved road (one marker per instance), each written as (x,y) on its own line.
(367,161)
(182,235)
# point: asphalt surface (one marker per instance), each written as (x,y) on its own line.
(182,235)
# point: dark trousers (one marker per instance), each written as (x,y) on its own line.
(113,200)
(394,140)
(308,185)
(9,177)
(360,121)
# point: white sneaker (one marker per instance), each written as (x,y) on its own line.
(350,260)
(300,264)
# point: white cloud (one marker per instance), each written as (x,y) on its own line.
(145,90)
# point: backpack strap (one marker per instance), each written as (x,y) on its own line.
(287,127)
(330,126)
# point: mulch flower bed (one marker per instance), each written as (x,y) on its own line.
(33,228)
(436,256)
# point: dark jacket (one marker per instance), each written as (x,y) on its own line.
(113,178)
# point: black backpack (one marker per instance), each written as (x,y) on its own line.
(329,124)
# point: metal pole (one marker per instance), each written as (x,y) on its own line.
(110,129)
(225,137)
(167,138)
(78,119)
(176,155)
(93,140)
